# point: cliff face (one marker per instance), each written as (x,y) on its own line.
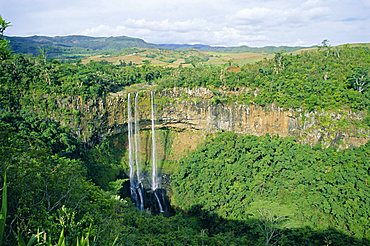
(246,119)
(329,129)
(196,109)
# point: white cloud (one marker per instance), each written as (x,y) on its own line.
(270,16)
(217,22)
(192,32)
(169,26)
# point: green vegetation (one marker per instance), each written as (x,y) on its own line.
(4,210)
(176,58)
(75,46)
(266,49)
(61,187)
(279,182)
(324,79)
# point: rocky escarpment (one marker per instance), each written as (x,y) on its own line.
(328,128)
(183,109)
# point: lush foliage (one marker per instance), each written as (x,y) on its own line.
(73,46)
(50,197)
(77,46)
(26,78)
(270,178)
(328,79)
(235,190)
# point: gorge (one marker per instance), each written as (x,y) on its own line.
(274,152)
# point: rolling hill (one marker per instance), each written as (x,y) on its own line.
(77,46)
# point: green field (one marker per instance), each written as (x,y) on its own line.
(175,58)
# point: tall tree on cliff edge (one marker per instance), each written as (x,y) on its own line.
(4,44)
(3,25)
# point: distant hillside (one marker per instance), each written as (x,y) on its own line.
(184,46)
(77,46)
(62,46)
(237,49)
(266,49)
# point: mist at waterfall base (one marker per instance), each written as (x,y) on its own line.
(153,198)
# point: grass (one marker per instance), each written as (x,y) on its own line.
(185,58)
(176,58)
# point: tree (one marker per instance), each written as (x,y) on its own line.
(359,80)
(326,45)
(3,25)
(279,62)
(4,44)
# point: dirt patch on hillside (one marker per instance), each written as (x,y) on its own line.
(184,142)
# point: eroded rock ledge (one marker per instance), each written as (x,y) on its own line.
(184,109)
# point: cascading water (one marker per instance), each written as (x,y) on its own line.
(155,183)
(131,151)
(136,184)
(139,186)
(154,153)
(137,138)
(136,188)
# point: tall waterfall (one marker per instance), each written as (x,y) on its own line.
(137,139)
(155,183)
(139,186)
(131,149)
(136,187)
(136,178)
(154,153)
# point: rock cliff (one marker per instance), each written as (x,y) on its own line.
(184,109)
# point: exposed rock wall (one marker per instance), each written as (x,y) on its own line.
(184,109)
(247,119)
(194,108)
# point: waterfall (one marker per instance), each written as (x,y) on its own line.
(155,183)
(131,151)
(159,202)
(139,187)
(136,185)
(137,138)
(154,153)
(136,188)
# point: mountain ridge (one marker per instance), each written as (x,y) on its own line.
(82,44)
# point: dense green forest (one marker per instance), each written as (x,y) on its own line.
(279,182)
(237,190)
(332,78)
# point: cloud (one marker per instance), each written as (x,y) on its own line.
(273,17)
(217,22)
(190,31)
(143,26)
(169,26)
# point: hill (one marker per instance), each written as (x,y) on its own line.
(77,46)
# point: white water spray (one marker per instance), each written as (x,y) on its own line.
(130,147)
(137,139)
(138,187)
(154,153)
(155,183)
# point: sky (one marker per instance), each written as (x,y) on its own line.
(213,22)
